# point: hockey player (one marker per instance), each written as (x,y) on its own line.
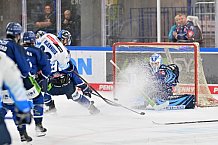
(41,68)
(10,76)
(39,63)
(166,77)
(10,46)
(64,80)
(39,34)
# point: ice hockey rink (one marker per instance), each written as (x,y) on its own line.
(73,125)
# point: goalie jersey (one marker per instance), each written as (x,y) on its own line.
(167,78)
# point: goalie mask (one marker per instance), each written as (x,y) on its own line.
(155,62)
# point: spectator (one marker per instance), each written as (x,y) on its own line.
(172,33)
(46,22)
(187,31)
(73,25)
(181,30)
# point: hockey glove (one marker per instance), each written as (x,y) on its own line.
(86,90)
(22,118)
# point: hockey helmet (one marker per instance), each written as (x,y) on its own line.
(29,37)
(65,37)
(155,62)
(13,29)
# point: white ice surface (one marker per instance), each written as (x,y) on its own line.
(73,125)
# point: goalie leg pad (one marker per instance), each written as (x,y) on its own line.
(187,100)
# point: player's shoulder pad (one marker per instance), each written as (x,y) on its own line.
(173,66)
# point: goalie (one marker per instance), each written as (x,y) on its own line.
(166,77)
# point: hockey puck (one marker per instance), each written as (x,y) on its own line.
(142,113)
(115,99)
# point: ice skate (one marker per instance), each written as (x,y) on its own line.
(40,130)
(50,108)
(25,137)
(92,109)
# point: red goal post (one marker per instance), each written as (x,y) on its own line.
(185,55)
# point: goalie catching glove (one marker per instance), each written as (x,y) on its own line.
(85,89)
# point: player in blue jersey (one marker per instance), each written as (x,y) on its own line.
(40,67)
(10,46)
(40,70)
(10,77)
(64,80)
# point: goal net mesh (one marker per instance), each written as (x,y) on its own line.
(132,58)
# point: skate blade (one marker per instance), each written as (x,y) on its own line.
(26,143)
(53,111)
(40,134)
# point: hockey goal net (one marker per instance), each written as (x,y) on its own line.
(186,55)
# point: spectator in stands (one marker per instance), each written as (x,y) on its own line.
(172,33)
(46,22)
(188,31)
(73,25)
(181,30)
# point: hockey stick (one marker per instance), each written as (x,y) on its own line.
(149,100)
(112,103)
(118,105)
(185,122)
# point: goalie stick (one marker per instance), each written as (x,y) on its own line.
(185,122)
(149,100)
(112,103)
